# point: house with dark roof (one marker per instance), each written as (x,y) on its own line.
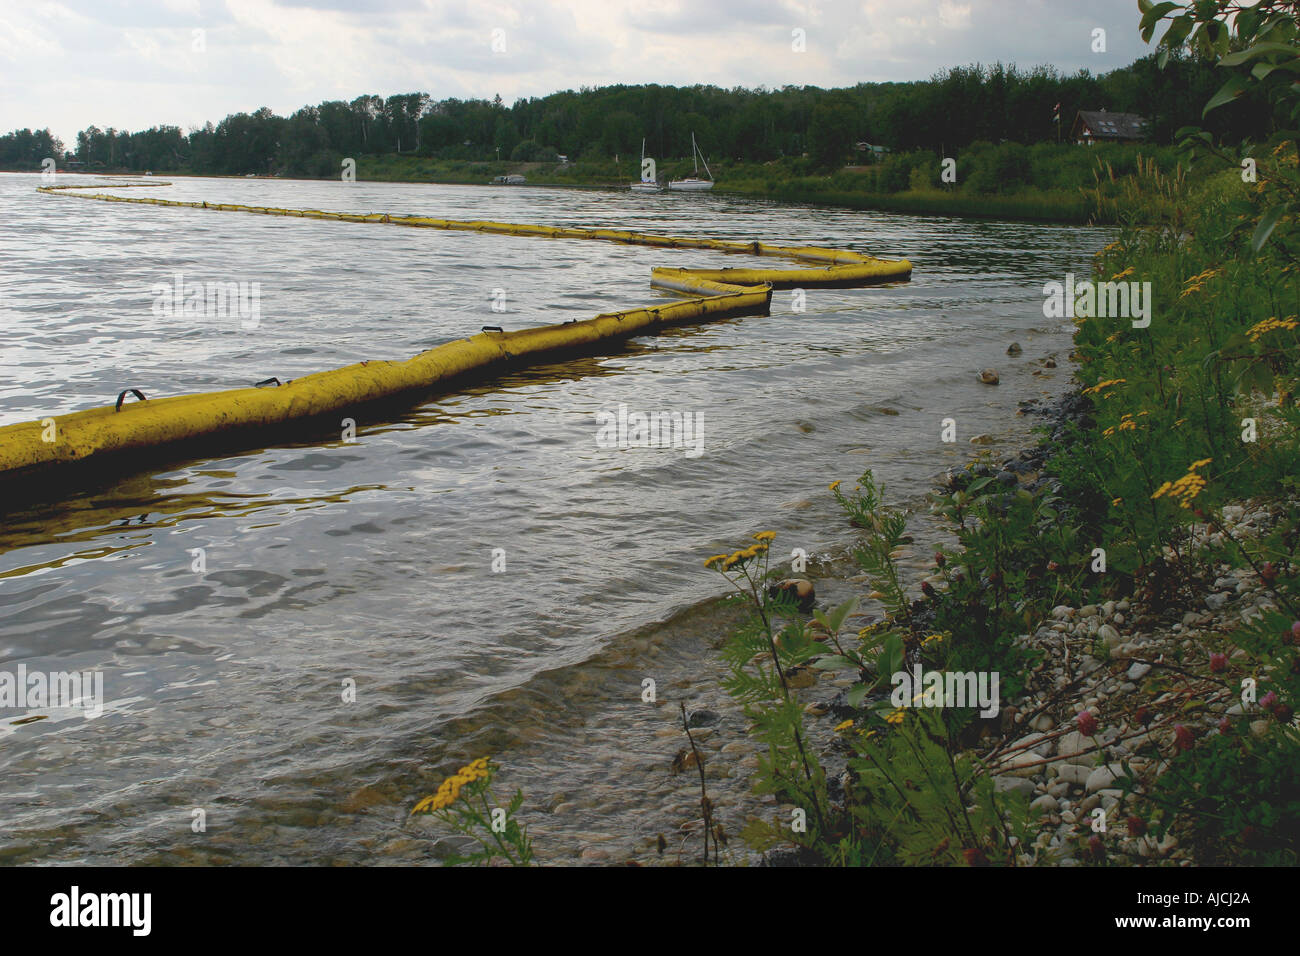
(1099,126)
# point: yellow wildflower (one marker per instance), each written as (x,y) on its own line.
(717,558)
(1115,502)
(1121,275)
(765,536)
(841,727)
(834,485)
(1186,488)
(895,716)
(1106,384)
(1270,325)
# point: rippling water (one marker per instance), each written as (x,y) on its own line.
(372,561)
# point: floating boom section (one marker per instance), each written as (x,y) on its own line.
(210,420)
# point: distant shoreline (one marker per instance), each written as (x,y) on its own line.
(1030,208)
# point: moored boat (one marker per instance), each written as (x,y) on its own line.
(694,184)
(647,183)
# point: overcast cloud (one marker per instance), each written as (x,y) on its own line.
(136,63)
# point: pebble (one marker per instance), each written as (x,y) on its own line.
(1102,777)
(1137,670)
(1014,348)
(1072,773)
(1072,747)
(1018,784)
(1044,804)
(1030,744)
(989,376)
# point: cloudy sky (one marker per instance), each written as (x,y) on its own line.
(131,64)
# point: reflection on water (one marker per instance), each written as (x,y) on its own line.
(371,561)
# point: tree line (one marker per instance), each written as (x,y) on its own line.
(955,108)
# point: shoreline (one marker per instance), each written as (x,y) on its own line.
(1109,659)
(1043,208)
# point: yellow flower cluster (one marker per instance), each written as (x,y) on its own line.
(1127,423)
(895,716)
(833,485)
(1123,275)
(725,562)
(1106,384)
(1186,488)
(1197,282)
(841,727)
(449,792)
(932,637)
(1270,324)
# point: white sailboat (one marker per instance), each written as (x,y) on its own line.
(693,184)
(645,185)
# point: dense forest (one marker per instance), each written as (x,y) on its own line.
(955,108)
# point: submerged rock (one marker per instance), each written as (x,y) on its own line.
(989,376)
(801,590)
(1014,348)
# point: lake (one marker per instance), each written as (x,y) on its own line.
(371,563)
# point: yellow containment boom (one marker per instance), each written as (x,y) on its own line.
(204,422)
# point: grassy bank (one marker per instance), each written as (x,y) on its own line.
(1170,712)
(1050,183)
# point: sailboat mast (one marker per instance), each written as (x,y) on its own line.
(701,155)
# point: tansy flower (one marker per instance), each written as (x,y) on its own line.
(449,792)
(1116,502)
(895,716)
(841,727)
(1269,325)
(1120,275)
(716,559)
(834,485)
(765,536)
(1103,385)
(1186,488)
